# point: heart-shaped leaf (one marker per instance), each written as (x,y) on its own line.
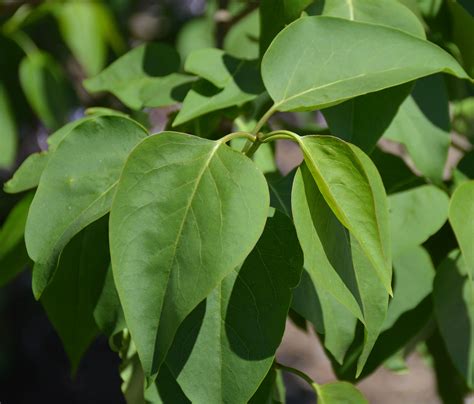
(186,213)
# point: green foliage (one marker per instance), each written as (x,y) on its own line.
(189,250)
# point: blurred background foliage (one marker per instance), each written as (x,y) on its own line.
(48,49)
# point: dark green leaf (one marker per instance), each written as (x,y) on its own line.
(463,33)
(186,213)
(70,299)
(145,76)
(78,185)
(454,309)
(360,58)
(280,191)
(231,339)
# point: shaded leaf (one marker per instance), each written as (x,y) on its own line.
(360,58)
(78,185)
(463,33)
(182,202)
(422,125)
(8,131)
(280,191)
(461,218)
(70,299)
(145,76)
(46,88)
(454,309)
(13,255)
(228,82)
(415,215)
(231,339)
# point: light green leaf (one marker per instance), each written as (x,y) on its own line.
(78,185)
(264,159)
(86,28)
(13,255)
(275,15)
(391,13)
(354,121)
(242,39)
(413,273)
(145,76)
(422,125)
(228,82)
(46,88)
(351,186)
(70,299)
(461,217)
(360,58)
(198,33)
(338,282)
(454,309)
(415,215)
(186,213)
(231,339)
(28,175)
(340,392)
(8,133)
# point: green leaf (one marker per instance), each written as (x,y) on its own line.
(338,283)
(463,33)
(354,121)
(415,215)
(454,310)
(461,217)
(242,39)
(340,392)
(28,175)
(422,125)
(384,12)
(231,339)
(198,33)
(183,204)
(228,81)
(8,131)
(271,390)
(108,313)
(280,191)
(13,255)
(338,169)
(275,15)
(86,27)
(70,299)
(145,76)
(46,88)
(78,185)
(360,58)
(413,273)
